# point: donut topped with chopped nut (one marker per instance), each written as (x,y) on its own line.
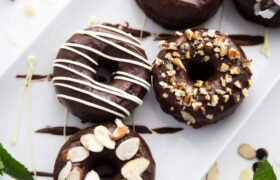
(108,151)
(201,76)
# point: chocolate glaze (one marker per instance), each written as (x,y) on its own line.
(87,113)
(36,76)
(213,83)
(246,9)
(141,129)
(164,36)
(167,130)
(106,157)
(179,14)
(246,40)
(58,130)
(42,174)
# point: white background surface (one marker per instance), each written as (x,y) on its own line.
(262,130)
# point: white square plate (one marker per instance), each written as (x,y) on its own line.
(184,155)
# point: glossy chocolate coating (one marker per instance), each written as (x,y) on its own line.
(87,113)
(213,83)
(106,157)
(179,14)
(246,9)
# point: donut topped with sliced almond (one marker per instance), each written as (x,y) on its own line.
(110,151)
(201,76)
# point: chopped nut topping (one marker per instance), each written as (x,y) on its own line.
(207,97)
(188,117)
(188,100)
(209,45)
(238,84)
(200,46)
(219,91)
(173,79)
(196,35)
(196,105)
(236,98)
(226,98)
(246,63)
(198,84)
(228,90)
(233,54)
(158,61)
(224,67)
(228,78)
(178,63)
(222,108)
(168,56)
(203,91)
(209,116)
(235,70)
(245,92)
(169,66)
(217,49)
(171,72)
(214,100)
(178,33)
(224,49)
(187,54)
(176,54)
(211,33)
(223,82)
(165,95)
(180,85)
(181,41)
(203,109)
(189,34)
(250,83)
(206,58)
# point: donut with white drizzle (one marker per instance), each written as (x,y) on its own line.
(201,76)
(109,145)
(75,74)
(265,12)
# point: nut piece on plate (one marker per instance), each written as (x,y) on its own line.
(247,174)
(247,151)
(213,173)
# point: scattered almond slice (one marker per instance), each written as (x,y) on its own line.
(119,133)
(135,167)
(128,148)
(77,154)
(75,174)
(103,135)
(90,142)
(247,174)
(65,171)
(213,173)
(247,151)
(92,175)
(30,9)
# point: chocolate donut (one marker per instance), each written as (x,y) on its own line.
(179,14)
(201,76)
(265,12)
(91,152)
(101,74)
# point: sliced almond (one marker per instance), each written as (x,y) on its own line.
(128,148)
(196,105)
(119,133)
(247,151)
(247,174)
(119,123)
(76,174)
(178,62)
(135,167)
(103,135)
(188,117)
(65,171)
(77,154)
(90,142)
(213,173)
(233,54)
(92,175)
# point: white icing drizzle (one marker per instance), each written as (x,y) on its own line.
(265,50)
(92,34)
(89,104)
(75,63)
(267,13)
(93,95)
(79,53)
(90,82)
(65,124)
(149,67)
(143,27)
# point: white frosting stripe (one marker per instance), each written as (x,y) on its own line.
(133,81)
(117,31)
(79,53)
(267,13)
(95,96)
(78,100)
(108,56)
(137,101)
(90,33)
(134,77)
(75,63)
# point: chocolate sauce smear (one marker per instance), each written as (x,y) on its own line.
(247,40)
(36,76)
(42,174)
(58,130)
(137,128)
(167,130)
(135,32)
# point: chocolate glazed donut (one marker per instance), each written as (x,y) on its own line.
(101,74)
(105,151)
(179,14)
(265,12)
(200,77)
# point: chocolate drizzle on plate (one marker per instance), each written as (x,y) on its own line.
(167,130)
(58,130)
(247,40)
(42,174)
(36,76)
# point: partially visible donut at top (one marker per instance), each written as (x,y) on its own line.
(101,73)
(201,76)
(179,14)
(265,12)
(108,151)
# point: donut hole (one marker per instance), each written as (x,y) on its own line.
(106,172)
(198,70)
(105,71)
